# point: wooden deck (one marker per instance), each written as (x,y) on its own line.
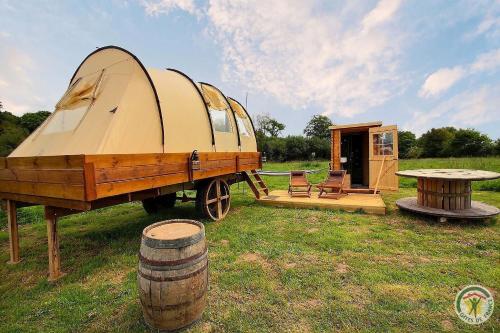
(369,203)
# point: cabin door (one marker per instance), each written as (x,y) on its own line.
(383,148)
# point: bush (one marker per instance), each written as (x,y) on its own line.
(293,148)
(406,142)
(469,142)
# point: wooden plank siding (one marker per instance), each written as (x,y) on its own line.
(118,174)
(46,176)
(75,181)
(336,137)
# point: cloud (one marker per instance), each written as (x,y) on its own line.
(489,25)
(465,109)
(157,7)
(303,54)
(441,80)
(383,12)
(486,61)
(17,70)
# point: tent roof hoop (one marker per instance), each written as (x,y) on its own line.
(202,100)
(145,72)
(246,112)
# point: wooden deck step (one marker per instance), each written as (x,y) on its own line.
(257,185)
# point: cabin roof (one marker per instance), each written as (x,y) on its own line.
(360,125)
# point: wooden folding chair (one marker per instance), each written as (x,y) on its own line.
(335,183)
(299,185)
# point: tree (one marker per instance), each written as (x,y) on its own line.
(32,120)
(406,140)
(269,126)
(296,148)
(436,142)
(11,132)
(496,149)
(469,142)
(320,147)
(318,127)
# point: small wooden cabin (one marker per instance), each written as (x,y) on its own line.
(369,153)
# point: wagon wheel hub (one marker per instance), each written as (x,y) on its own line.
(217,199)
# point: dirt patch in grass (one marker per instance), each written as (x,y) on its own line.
(224,242)
(314,219)
(289,261)
(312,230)
(301,326)
(253,257)
(357,295)
(115,277)
(394,290)
(341,268)
(447,326)
(407,260)
(310,304)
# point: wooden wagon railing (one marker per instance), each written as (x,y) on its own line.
(74,183)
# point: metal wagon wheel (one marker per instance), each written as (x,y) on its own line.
(216,199)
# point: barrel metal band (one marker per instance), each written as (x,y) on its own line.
(172,265)
(172,278)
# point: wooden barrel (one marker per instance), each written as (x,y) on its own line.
(173,274)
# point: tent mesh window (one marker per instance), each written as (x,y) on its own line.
(243,125)
(220,120)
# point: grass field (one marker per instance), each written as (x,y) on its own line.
(271,269)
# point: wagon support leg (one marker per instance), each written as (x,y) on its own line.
(53,244)
(13,232)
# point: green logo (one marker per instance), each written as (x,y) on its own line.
(474,304)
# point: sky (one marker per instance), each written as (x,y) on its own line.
(417,64)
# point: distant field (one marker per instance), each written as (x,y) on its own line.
(271,269)
(479,163)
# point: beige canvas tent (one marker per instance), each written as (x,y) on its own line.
(114,105)
(124,133)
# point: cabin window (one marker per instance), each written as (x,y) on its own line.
(220,120)
(73,106)
(243,125)
(383,144)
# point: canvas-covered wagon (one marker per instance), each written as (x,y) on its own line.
(123,133)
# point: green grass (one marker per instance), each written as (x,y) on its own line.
(271,269)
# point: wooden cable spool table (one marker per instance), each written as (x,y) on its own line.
(446,193)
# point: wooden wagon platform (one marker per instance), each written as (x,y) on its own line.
(74,183)
(369,203)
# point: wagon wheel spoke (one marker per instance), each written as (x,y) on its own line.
(211,201)
(219,201)
(224,197)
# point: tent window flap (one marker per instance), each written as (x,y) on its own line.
(74,104)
